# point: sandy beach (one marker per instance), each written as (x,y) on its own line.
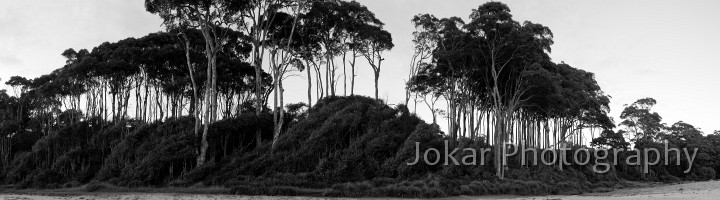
(694,190)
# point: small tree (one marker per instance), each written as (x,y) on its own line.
(643,125)
(375,41)
(640,122)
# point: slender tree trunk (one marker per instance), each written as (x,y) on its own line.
(320,93)
(276,81)
(332,77)
(281,119)
(258,90)
(210,91)
(377,76)
(352,70)
(309,80)
(344,75)
(194,101)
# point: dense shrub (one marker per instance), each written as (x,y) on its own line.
(72,153)
(158,153)
(151,153)
(341,147)
(704,173)
(95,186)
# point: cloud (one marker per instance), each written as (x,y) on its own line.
(9,60)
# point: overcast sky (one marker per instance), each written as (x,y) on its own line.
(662,49)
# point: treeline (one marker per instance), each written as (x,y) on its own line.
(218,59)
(190,106)
(498,81)
(500,86)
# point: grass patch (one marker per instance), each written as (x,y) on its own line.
(95,186)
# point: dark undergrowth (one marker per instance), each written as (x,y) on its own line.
(341,147)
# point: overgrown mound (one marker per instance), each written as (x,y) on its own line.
(357,146)
(340,139)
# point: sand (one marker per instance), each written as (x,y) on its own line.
(693,190)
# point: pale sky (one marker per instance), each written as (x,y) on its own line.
(667,50)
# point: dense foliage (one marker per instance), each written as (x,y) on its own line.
(356,146)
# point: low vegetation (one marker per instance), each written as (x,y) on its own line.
(343,146)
